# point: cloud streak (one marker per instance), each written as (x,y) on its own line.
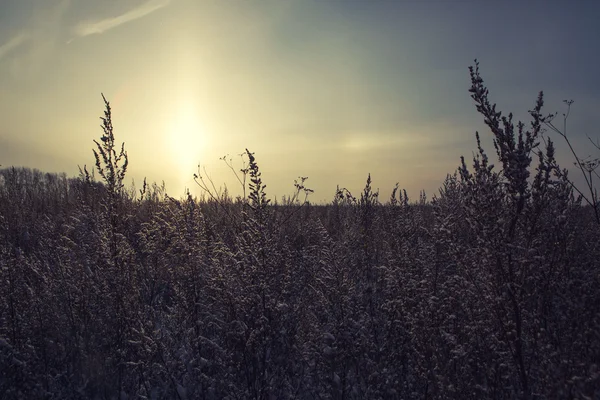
(13,43)
(97,27)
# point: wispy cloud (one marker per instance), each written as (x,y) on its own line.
(13,43)
(96,27)
(27,53)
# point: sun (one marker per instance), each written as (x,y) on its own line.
(188,138)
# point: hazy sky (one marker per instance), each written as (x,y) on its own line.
(332,90)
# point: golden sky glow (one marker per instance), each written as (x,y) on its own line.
(329,90)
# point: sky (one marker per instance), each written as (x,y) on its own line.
(332,90)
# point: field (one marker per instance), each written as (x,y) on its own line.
(489,290)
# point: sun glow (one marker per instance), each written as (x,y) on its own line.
(188,138)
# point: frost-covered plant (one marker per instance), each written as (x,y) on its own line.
(111,166)
(258,197)
(587,166)
(498,238)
